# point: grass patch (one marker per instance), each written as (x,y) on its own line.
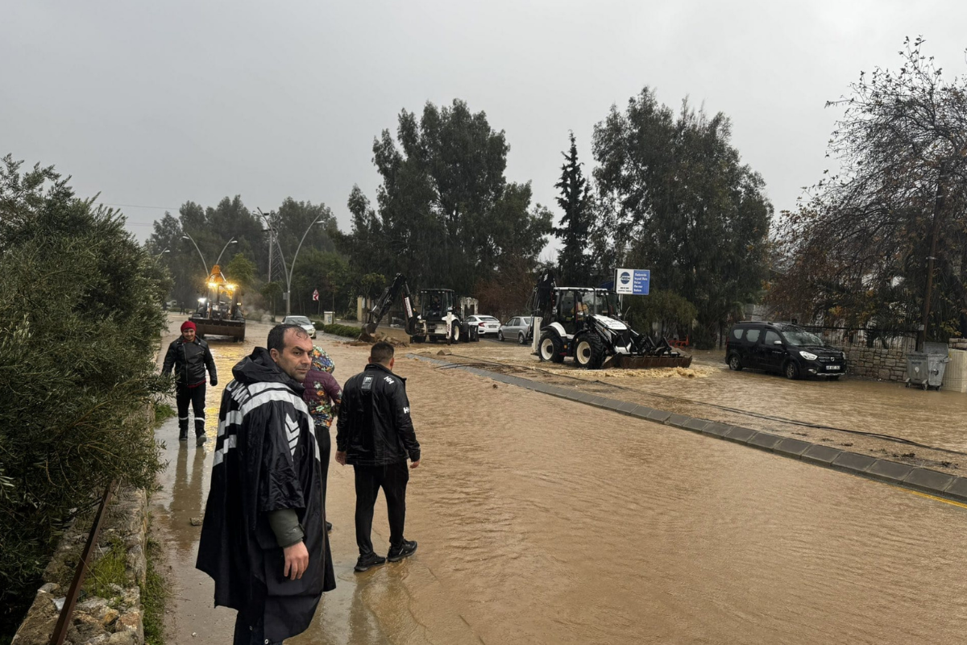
(109,569)
(154,597)
(162,412)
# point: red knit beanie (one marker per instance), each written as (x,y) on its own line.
(188,325)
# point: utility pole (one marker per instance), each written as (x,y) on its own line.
(938,205)
(271,251)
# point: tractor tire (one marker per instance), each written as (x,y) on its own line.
(416,340)
(549,348)
(791,370)
(735,363)
(456,334)
(590,351)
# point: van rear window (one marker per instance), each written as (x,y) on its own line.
(737,333)
(752,335)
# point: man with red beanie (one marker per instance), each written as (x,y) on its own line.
(190,357)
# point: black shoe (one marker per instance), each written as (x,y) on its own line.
(183,437)
(328,527)
(404,550)
(365,562)
(201,439)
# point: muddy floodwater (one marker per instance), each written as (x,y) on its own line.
(927,428)
(545,521)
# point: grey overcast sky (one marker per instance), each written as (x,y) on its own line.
(156,103)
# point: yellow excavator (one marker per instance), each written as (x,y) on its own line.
(220,312)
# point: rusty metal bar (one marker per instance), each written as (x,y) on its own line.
(63,621)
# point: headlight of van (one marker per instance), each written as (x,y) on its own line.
(808,356)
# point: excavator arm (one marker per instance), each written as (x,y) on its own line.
(382,306)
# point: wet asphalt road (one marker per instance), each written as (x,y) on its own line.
(543,521)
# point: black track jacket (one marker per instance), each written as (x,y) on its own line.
(375,428)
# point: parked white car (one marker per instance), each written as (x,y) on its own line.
(303,322)
(486,325)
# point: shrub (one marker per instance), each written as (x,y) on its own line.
(80,318)
(339,330)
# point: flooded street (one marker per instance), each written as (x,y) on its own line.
(853,412)
(546,521)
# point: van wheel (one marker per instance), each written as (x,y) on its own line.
(521,339)
(735,363)
(791,370)
(550,348)
(589,352)
(500,336)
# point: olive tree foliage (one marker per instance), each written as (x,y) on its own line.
(858,251)
(80,316)
(447,217)
(675,197)
(666,310)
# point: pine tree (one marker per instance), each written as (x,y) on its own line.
(573,262)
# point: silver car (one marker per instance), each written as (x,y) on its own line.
(518,327)
(303,322)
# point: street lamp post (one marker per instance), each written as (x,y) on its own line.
(288,278)
(205,264)
(231,241)
(286,274)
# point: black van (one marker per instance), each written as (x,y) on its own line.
(783,348)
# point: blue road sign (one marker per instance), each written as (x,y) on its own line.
(633,282)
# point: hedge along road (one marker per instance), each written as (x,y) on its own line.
(547,521)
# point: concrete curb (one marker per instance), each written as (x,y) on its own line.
(923,480)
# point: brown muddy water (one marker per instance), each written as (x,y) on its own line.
(807,408)
(545,521)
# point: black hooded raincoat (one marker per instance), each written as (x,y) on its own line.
(266,459)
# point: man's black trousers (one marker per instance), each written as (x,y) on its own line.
(196,396)
(369,479)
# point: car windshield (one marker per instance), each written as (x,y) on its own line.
(802,338)
(297,320)
(489,319)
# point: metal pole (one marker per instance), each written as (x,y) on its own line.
(288,281)
(63,621)
(231,241)
(937,211)
(205,264)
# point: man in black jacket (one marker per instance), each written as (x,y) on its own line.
(190,357)
(375,434)
(263,540)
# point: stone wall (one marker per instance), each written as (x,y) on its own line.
(96,621)
(882,364)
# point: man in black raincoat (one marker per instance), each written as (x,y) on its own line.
(263,540)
